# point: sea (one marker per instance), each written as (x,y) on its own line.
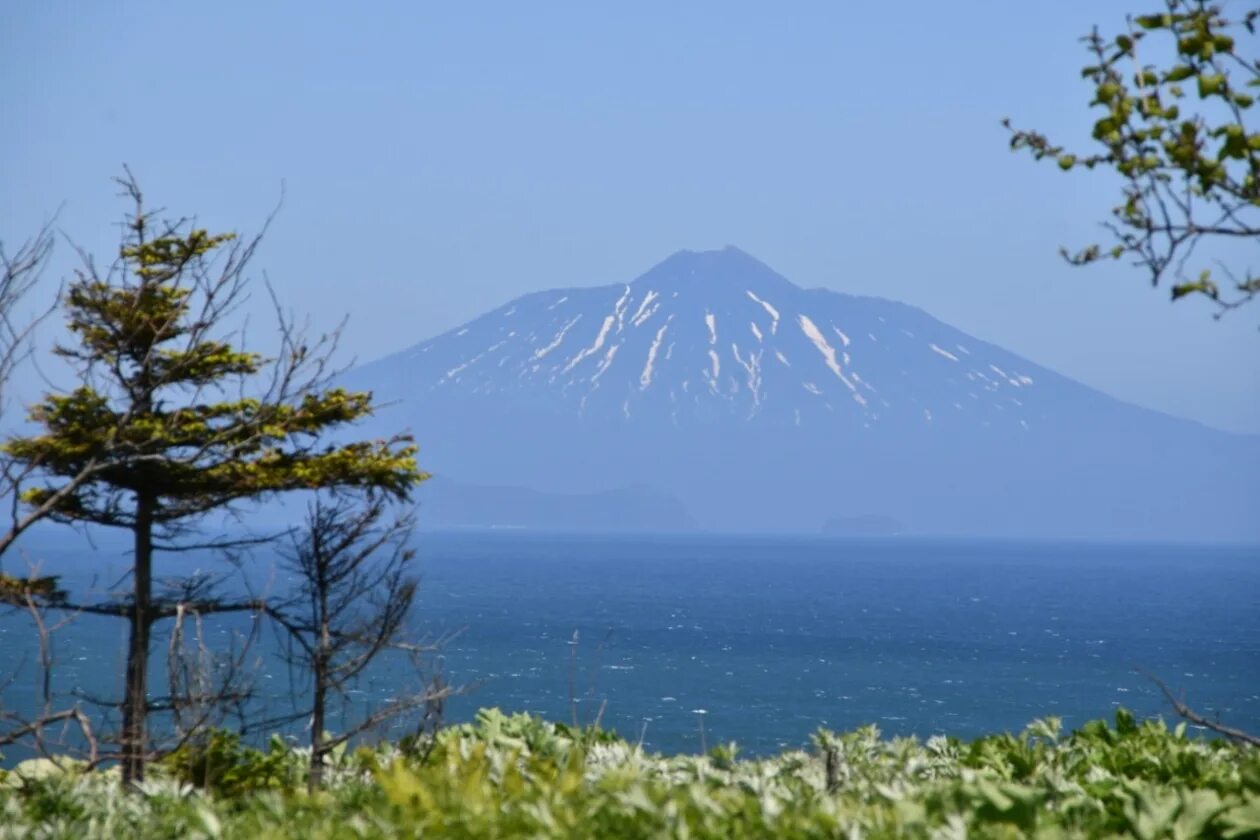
(690,641)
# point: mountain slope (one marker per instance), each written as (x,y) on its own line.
(762,405)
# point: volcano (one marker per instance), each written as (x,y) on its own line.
(764,406)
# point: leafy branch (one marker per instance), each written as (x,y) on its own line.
(1176,133)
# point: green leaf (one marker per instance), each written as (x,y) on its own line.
(1104,127)
(1153,21)
(1107,91)
(1210,85)
(1190,45)
(1066,162)
(1242,821)
(1198,808)
(1200,286)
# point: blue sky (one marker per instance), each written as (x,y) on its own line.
(439,159)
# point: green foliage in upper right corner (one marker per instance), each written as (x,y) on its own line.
(519,776)
(1173,96)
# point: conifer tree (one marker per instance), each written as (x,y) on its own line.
(179,422)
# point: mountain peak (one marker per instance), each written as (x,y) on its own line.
(725,266)
(759,404)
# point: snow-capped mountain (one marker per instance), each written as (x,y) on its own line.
(764,405)
(717,334)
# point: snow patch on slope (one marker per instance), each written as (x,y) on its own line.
(639,314)
(645,378)
(828,352)
(543,351)
(753,368)
(774,313)
(605,362)
(594,348)
(619,309)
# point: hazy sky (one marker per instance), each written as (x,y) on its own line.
(440,159)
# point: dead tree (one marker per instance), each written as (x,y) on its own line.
(48,728)
(20,272)
(206,686)
(354,590)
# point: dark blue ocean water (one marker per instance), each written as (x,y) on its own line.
(764,639)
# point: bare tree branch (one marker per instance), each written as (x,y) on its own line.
(352,598)
(1197,719)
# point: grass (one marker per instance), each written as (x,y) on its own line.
(519,776)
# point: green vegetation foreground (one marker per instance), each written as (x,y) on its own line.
(519,776)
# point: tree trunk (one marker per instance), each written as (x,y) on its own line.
(319,675)
(134,738)
(317,731)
